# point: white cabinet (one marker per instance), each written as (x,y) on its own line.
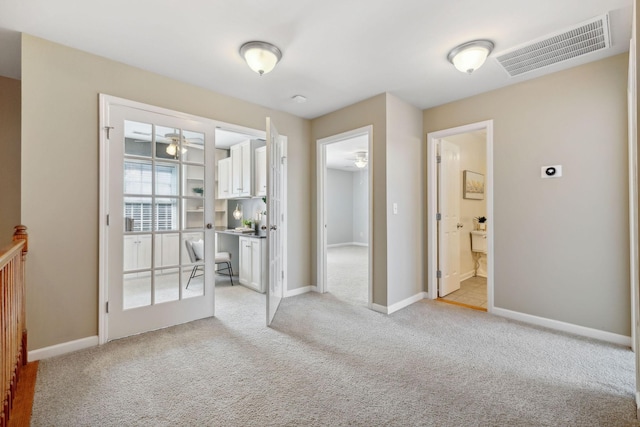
(137,252)
(167,250)
(224,178)
(243,181)
(260,170)
(241,164)
(253,263)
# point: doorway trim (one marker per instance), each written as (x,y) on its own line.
(321,212)
(432,204)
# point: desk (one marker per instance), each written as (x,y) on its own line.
(248,256)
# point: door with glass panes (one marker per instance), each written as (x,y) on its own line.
(160,204)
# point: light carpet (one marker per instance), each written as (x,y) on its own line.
(329,363)
(347,273)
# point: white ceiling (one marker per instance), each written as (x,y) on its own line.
(335,52)
(341,155)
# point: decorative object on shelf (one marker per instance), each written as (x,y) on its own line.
(261,57)
(473,185)
(361,160)
(482,222)
(198,190)
(248,223)
(470,56)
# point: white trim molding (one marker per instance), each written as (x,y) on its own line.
(564,327)
(299,291)
(399,305)
(63,348)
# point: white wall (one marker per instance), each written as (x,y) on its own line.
(339,205)
(473,157)
(360,180)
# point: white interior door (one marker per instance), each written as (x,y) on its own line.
(160,195)
(275,211)
(449,224)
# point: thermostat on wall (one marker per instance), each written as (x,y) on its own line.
(554,171)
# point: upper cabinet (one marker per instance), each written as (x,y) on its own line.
(243,162)
(260,169)
(224,178)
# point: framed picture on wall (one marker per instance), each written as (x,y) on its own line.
(473,187)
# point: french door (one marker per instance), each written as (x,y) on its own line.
(160,196)
(275,212)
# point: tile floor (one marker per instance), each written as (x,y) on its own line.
(473,291)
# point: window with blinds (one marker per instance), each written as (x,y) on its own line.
(139,210)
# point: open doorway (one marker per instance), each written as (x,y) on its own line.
(460,204)
(344,206)
(242,243)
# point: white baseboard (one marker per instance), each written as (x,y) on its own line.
(299,291)
(467,275)
(339,245)
(63,348)
(564,327)
(399,305)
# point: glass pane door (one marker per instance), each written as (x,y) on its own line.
(162,196)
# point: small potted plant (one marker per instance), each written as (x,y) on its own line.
(248,223)
(482,222)
(198,190)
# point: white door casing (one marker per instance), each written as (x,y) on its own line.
(321,178)
(449,225)
(154,254)
(432,204)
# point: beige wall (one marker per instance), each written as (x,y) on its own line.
(10,158)
(561,245)
(368,112)
(405,230)
(60,176)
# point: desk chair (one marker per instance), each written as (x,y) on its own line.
(195,249)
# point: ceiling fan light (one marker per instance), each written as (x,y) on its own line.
(470,56)
(261,57)
(361,160)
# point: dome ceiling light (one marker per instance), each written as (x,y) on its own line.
(261,57)
(470,56)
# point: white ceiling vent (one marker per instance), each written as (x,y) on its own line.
(585,38)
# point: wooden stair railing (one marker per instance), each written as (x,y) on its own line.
(13,332)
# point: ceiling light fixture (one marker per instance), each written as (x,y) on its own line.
(261,57)
(470,56)
(299,99)
(361,160)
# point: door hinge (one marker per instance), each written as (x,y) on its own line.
(439,274)
(282,159)
(438,159)
(107,220)
(282,274)
(107,308)
(438,217)
(108,129)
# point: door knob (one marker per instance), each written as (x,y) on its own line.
(273,227)
(209,226)
(459,226)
